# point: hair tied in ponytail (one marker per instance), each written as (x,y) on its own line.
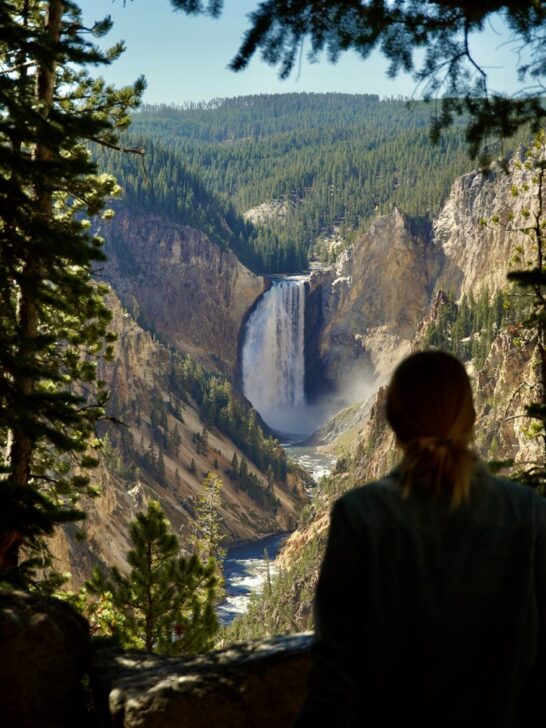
(429,406)
(433,441)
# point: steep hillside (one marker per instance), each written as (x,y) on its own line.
(160,451)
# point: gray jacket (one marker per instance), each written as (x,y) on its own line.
(427,616)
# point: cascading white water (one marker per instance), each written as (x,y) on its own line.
(273,361)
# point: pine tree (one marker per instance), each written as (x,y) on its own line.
(54,319)
(160,462)
(270,479)
(204,443)
(165,603)
(175,440)
(207,536)
(243,473)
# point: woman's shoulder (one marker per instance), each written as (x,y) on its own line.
(377,498)
(517,498)
(493,499)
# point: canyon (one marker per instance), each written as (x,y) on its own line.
(177,293)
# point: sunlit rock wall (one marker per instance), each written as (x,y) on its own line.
(179,284)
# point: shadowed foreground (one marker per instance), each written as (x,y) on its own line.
(46,653)
(254,684)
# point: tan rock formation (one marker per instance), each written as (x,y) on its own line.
(503,388)
(478,252)
(275,209)
(373,301)
(178,283)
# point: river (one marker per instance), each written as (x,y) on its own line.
(246,566)
(313,460)
(245,573)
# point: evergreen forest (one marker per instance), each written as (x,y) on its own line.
(325,163)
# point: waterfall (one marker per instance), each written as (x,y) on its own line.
(273,363)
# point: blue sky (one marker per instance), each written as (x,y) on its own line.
(184,58)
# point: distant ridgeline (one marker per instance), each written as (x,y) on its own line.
(334,160)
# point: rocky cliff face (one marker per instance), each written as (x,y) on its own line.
(476,251)
(503,387)
(501,392)
(150,456)
(367,322)
(179,284)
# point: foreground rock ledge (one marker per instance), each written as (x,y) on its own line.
(254,684)
(44,653)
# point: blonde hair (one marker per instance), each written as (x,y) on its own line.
(430,409)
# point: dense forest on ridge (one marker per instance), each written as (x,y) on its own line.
(331,160)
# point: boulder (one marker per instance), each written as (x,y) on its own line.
(45,651)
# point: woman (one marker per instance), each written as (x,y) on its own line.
(431,602)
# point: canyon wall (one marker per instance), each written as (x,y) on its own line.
(371,302)
(153,454)
(180,285)
(474,231)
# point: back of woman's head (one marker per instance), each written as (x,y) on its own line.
(430,409)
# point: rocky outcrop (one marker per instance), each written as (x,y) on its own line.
(503,388)
(477,252)
(179,284)
(367,323)
(256,684)
(274,209)
(45,653)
